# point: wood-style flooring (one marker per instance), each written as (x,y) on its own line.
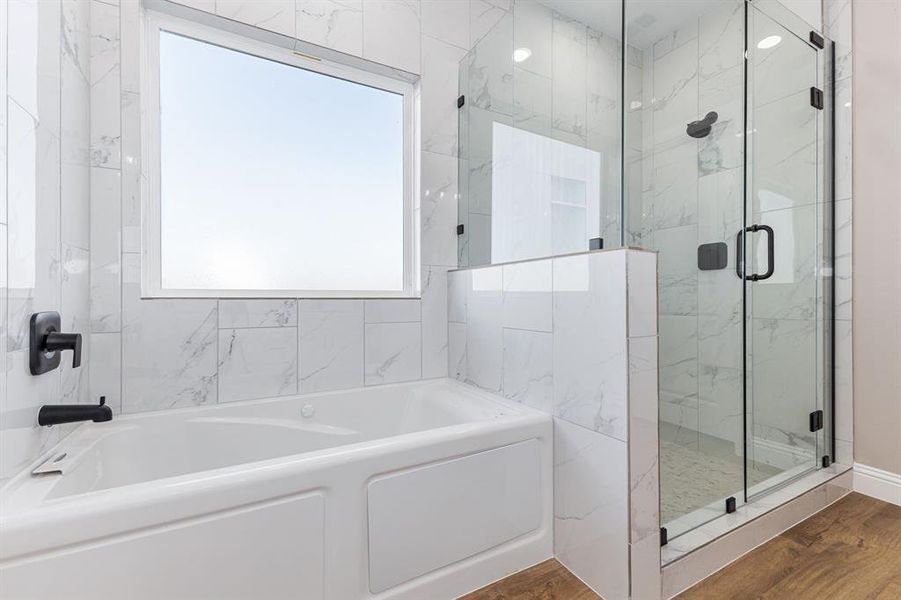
(849,551)
(545,581)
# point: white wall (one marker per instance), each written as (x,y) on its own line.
(576,337)
(151,354)
(44,238)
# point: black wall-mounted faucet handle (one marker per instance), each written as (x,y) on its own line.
(65,341)
(47,342)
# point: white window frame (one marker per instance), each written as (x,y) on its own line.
(151,263)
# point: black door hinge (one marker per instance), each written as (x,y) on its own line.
(826,461)
(816,98)
(460,229)
(817,40)
(663,537)
(816,420)
(730,504)
(596,243)
(461,101)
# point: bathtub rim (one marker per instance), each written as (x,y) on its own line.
(25,507)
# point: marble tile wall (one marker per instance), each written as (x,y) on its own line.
(155,354)
(44,195)
(568,89)
(576,337)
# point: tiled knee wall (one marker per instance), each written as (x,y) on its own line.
(576,337)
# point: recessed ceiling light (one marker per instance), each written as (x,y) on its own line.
(769,42)
(521,54)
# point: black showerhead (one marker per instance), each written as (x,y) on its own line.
(699,129)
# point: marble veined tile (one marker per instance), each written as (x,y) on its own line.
(169,348)
(335,25)
(447,20)
(240,312)
(391,33)
(591,514)
(590,355)
(434,322)
(438,104)
(528,302)
(393,352)
(484,333)
(272,15)
(528,368)
(257,363)
(330,341)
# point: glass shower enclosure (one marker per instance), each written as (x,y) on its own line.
(700,129)
(727,177)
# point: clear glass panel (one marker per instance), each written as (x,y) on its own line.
(540,133)
(684,195)
(255,189)
(784,313)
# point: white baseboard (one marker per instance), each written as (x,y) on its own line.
(877,483)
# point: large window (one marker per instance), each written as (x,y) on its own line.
(272,173)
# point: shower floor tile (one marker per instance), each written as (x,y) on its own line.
(694,475)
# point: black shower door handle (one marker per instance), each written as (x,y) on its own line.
(770,252)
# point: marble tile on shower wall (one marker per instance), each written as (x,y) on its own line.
(528,298)
(591,532)
(784,152)
(679,375)
(330,340)
(168,346)
(675,89)
(532,102)
(391,33)
(484,333)
(644,477)
(528,369)
(335,25)
(491,71)
(590,354)
(533,29)
(446,20)
(105,85)
(75,302)
(678,269)
(675,188)
(34,68)
(791,293)
(257,363)
(844,125)
(272,15)
(642,293)
(843,265)
(644,568)
(434,322)
(239,313)
(721,39)
(440,62)
(105,368)
(721,405)
(105,217)
(438,204)
(393,352)
(784,379)
(483,17)
(569,87)
(130,107)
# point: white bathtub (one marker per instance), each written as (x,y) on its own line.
(422,491)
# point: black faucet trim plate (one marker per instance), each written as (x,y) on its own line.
(46,342)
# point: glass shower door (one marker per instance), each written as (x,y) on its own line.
(782,242)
